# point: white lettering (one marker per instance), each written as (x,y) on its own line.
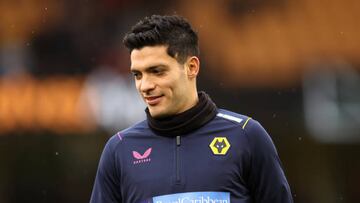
(183,200)
(197,197)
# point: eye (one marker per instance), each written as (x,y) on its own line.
(137,75)
(157,71)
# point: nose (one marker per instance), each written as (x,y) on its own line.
(146,84)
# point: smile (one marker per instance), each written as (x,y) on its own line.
(154,100)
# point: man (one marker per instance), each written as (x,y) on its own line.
(187,150)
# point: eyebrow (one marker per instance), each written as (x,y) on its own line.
(149,69)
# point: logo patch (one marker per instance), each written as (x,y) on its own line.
(194,197)
(142,158)
(219,145)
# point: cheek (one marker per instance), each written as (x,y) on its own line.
(182,85)
(179,92)
(175,86)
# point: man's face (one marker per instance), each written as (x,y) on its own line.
(162,82)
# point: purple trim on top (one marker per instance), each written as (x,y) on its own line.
(119,135)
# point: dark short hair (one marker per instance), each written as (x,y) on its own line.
(173,31)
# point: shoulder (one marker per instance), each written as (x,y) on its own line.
(258,141)
(233,118)
(136,129)
(249,126)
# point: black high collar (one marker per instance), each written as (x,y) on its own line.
(185,122)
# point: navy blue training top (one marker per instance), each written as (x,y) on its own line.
(230,159)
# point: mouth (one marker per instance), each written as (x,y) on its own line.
(153,100)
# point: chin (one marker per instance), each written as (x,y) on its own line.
(155,113)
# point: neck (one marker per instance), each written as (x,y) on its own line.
(193,118)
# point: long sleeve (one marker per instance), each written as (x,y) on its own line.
(107,186)
(266,180)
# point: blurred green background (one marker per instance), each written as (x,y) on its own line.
(65,87)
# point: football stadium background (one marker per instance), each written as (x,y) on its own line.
(65,87)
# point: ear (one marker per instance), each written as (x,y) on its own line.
(192,66)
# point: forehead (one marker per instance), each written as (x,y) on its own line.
(149,56)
